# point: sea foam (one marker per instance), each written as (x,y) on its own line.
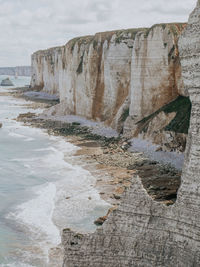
(36,216)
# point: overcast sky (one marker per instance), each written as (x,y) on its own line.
(30,25)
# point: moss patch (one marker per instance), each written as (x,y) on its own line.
(180,124)
(174,28)
(80,41)
(163,25)
(127,34)
(95,44)
(80,66)
(182,106)
(125,114)
(73,42)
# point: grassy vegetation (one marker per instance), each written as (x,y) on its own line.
(50,59)
(182,106)
(126,34)
(95,43)
(73,42)
(80,40)
(171,52)
(125,114)
(163,25)
(64,63)
(80,66)
(173,28)
(180,124)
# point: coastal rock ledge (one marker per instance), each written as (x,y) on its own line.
(142,232)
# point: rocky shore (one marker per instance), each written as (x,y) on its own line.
(142,231)
(107,157)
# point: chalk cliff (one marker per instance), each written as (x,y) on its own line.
(156,70)
(113,75)
(142,232)
(155,73)
(91,74)
(46,66)
(19,70)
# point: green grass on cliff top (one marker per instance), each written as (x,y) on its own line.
(180,124)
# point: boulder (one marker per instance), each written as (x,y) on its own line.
(7,82)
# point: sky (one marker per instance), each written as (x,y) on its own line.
(30,25)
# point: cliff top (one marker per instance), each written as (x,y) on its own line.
(122,34)
(48,50)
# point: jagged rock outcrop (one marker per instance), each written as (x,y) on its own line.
(142,232)
(107,76)
(19,70)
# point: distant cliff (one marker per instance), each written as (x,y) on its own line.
(19,70)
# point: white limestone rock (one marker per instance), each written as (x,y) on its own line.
(142,232)
(100,77)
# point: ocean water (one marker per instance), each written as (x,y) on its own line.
(40,192)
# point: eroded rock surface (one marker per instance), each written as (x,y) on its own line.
(110,76)
(142,232)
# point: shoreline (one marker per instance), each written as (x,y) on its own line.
(107,155)
(107,159)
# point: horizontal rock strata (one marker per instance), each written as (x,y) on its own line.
(142,232)
(113,75)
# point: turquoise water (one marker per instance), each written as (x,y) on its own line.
(34,183)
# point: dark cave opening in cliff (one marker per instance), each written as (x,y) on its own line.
(162,180)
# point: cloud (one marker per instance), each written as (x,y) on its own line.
(27,26)
(169,7)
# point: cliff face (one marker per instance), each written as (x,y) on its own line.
(155,82)
(156,70)
(106,76)
(96,78)
(19,70)
(91,74)
(46,66)
(142,232)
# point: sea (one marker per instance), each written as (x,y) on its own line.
(43,188)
